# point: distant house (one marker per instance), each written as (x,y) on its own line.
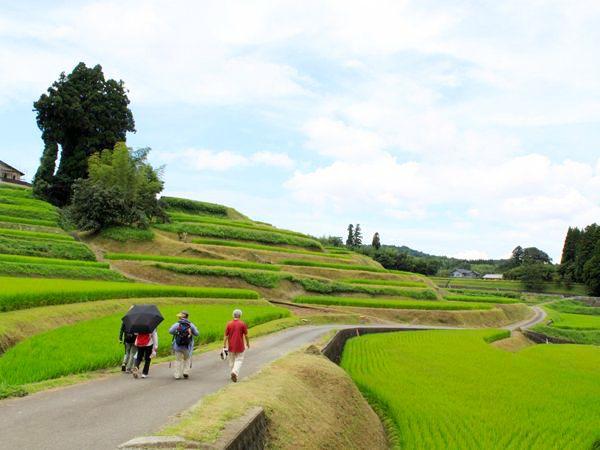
(464,273)
(493,276)
(9,174)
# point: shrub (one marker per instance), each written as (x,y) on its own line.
(194,261)
(46,248)
(392,303)
(124,234)
(52,261)
(256,278)
(35,235)
(193,206)
(302,262)
(228,232)
(22,293)
(58,271)
(121,190)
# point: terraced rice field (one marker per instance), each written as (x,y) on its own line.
(20,293)
(93,344)
(305,263)
(193,261)
(450,389)
(392,303)
(481,298)
(507,285)
(401,283)
(266,248)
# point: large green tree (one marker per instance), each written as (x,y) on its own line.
(350,238)
(122,189)
(376,242)
(357,236)
(81,114)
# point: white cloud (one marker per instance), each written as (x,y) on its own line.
(211,160)
(272,159)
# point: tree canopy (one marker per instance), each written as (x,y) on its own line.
(81,114)
(581,257)
(122,189)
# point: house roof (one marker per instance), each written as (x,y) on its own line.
(463,271)
(11,167)
(493,275)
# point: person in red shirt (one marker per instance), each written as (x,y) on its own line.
(235,334)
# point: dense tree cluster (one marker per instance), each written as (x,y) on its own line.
(581,257)
(81,114)
(121,189)
(354,238)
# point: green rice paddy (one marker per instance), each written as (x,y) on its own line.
(93,344)
(450,389)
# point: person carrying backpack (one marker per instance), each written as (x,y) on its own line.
(146,345)
(128,339)
(183,332)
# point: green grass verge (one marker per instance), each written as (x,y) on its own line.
(450,389)
(52,261)
(21,293)
(405,283)
(92,344)
(400,303)
(301,262)
(9,199)
(45,248)
(267,248)
(480,299)
(12,190)
(267,279)
(35,235)
(21,220)
(15,269)
(194,261)
(124,234)
(242,234)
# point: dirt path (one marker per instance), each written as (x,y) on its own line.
(104,413)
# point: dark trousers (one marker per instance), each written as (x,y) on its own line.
(144,353)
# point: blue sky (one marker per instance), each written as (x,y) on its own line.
(453,127)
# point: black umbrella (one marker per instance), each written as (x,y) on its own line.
(142,319)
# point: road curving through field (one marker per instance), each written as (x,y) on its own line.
(104,413)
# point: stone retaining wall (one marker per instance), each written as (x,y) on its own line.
(540,338)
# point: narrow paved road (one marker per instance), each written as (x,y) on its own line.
(104,413)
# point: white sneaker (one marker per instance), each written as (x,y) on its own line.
(144,375)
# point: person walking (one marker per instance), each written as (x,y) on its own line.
(128,340)
(146,345)
(235,334)
(183,332)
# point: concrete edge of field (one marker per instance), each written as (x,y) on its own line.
(247,432)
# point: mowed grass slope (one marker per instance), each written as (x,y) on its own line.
(93,344)
(450,389)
